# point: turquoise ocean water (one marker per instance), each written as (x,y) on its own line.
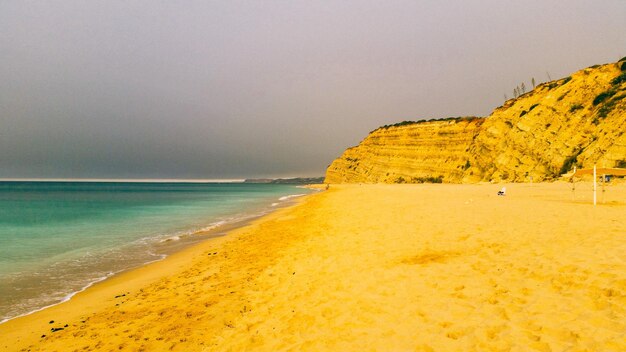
(57,238)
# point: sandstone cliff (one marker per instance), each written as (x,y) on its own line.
(575,121)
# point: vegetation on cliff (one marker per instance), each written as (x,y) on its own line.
(575,121)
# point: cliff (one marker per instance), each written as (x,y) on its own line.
(412,152)
(575,121)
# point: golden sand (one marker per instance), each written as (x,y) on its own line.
(373,268)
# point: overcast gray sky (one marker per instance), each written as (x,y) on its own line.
(232,89)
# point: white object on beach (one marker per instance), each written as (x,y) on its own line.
(502,192)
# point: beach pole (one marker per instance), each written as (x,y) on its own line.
(603,181)
(594,184)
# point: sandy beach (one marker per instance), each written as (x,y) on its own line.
(373,268)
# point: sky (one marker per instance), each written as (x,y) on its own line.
(240,89)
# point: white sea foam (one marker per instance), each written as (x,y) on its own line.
(290,196)
(88,285)
(64,299)
(160,257)
(211,226)
(172,238)
(180,235)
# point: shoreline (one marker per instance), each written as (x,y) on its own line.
(175,243)
(380,267)
(90,297)
(69,296)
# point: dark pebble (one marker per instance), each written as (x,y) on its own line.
(51,321)
(42,336)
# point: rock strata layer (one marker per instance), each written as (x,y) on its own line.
(577,121)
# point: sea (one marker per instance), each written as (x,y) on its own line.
(59,238)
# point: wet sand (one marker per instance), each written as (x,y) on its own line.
(376,267)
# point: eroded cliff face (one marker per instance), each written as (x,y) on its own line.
(410,153)
(576,121)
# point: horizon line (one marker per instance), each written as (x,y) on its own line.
(129,180)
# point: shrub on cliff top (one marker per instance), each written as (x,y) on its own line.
(403,123)
(406,123)
(558,83)
(552,85)
(622,59)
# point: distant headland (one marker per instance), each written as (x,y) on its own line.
(287,181)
